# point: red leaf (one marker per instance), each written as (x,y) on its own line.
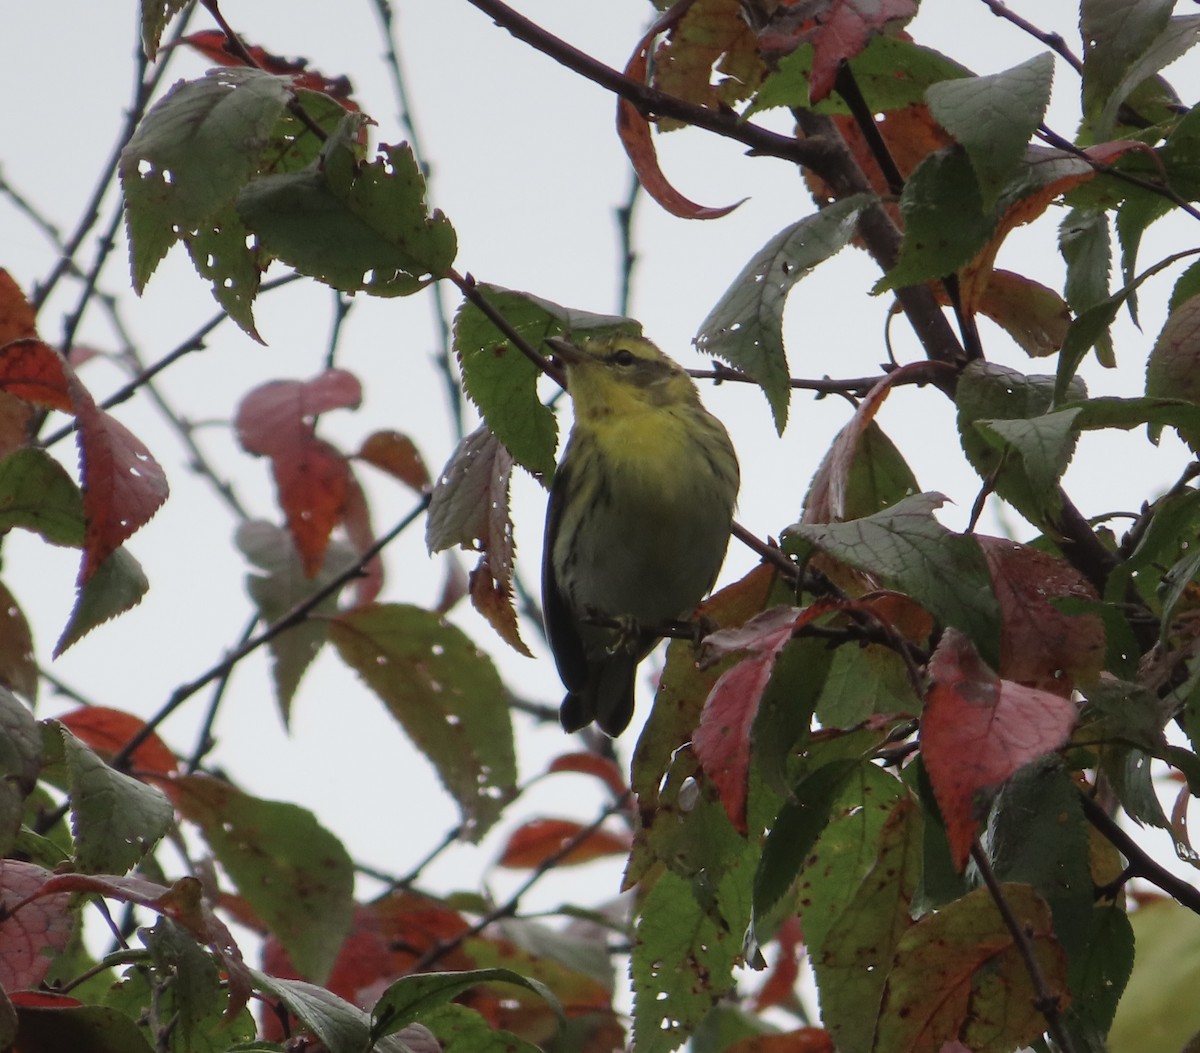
(35,372)
(539,841)
(30,938)
(277,420)
(722,738)
(278,414)
(977,730)
(123,486)
(386,939)
(1040,646)
(837,30)
(182,902)
(634,132)
(214,45)
(17,318)
(603,768)
(108,730)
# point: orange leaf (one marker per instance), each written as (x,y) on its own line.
(396,454)
(977,730)
(35,372)
(634,132)
(108,730)
(539,841)
(277,420)
(603,768)
(17,318)
(492,596)
(837,30)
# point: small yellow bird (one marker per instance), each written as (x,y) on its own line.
(638,520)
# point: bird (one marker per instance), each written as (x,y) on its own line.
(637,522)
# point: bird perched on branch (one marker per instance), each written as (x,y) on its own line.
(638,520)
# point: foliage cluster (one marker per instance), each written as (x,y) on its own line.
(902,751)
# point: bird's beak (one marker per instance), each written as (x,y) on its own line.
(565,350)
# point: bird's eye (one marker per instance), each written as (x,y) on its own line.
(624,357)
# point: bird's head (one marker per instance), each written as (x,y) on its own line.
(621,374)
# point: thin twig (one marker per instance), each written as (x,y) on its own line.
(811,153)
(441,312)
(143,93)
(1045,1001)
(281,624)
(629,256)
(509,908)
(204,740)
(1054,41)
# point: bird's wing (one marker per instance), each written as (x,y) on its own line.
(562,627)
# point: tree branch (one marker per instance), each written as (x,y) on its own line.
(1140,863)
(1046,1001)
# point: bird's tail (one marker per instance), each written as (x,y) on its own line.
(606,698)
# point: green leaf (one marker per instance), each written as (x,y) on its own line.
(409,998)
(222,255)
(1115,34)
(118,585)
(460,1029)
(36,493)
(294,873)
(863,681)
(745,328)
(957,975)
(1036,835)
(192,153)
(1098,974)
(851,963)
(1159,1010)
(1171,369)
(1086,246)
(994,117)
(447,695)
(945,224)
(20,762)
(876,477)
(116,820)
(891,73)
(279,589)
(1177,37)
(681,965)
(502,382)
(80,1029)
(1185,288)
(1011,440)
(182,982)
(801,820)
(846,851)
(341,1026)
(355,226)
(155,19)
(913,553)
